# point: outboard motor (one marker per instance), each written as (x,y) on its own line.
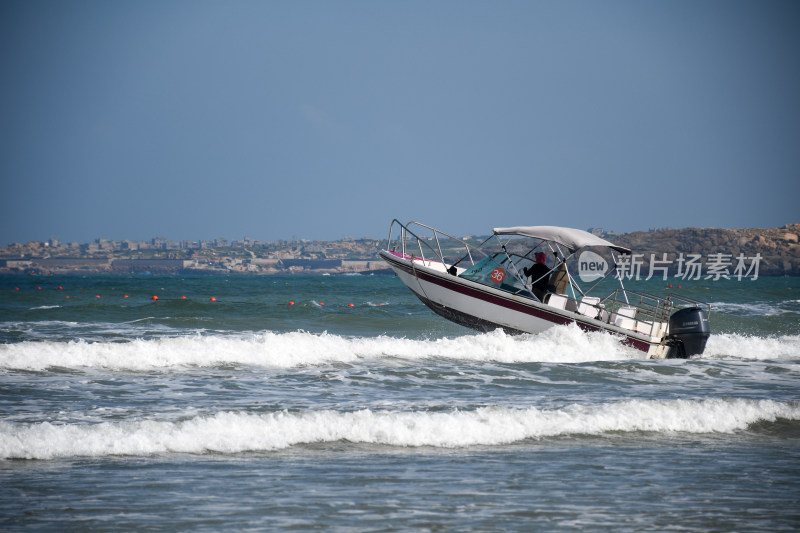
(688,333)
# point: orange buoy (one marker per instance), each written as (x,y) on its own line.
(291,303)
(154,297)
(38,288)
(183,297)
(213,299)
(67,297)
(322,303)
(97,296)
(60,287)
(124,295)
(349,305)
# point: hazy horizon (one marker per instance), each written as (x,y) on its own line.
(207,119)
(347,237)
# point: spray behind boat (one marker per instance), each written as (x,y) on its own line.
(688,333)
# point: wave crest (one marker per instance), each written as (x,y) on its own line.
(287,350)
(231,432)
(564,344)
(727,345)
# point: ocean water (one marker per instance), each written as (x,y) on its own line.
(251,413)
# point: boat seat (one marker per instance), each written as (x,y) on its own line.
(588,306)
(643,326)
(624,317)
(557,301)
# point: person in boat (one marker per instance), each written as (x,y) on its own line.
(559,278)
(539,275)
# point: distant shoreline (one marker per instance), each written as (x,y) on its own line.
(778,250)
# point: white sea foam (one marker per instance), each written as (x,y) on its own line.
(727,345)
(566,344)
(287,350)
(232,432)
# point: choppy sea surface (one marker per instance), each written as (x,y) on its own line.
(281,406)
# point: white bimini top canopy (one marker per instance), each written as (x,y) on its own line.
(573,239)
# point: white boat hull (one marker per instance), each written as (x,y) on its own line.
(485,308)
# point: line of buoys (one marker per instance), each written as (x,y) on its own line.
(211,299)
(155,297)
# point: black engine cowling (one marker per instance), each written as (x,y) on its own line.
(688,333)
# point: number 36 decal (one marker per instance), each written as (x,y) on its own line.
(498,274)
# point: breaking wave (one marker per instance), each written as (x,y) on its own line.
(735,346)
(566,344)
(235,432)
(287,350)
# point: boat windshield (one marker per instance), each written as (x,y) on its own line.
(495,271)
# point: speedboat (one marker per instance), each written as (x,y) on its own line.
(490,285)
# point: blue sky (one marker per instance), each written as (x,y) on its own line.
(323,120)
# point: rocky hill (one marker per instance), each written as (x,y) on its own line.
(775,252)
(778,248)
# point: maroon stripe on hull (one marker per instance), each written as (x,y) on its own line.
(465,319)
(402,266)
